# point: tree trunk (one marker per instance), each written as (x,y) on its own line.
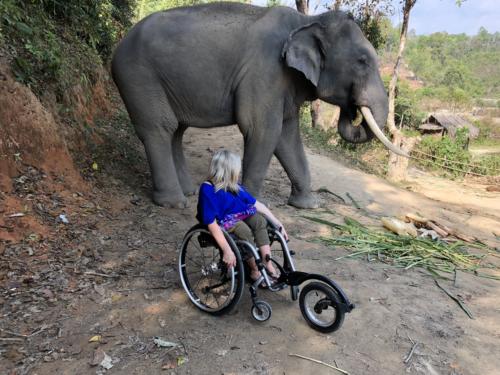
(316,114)
(398,165)
(334,120)
(337,4)
(302,6)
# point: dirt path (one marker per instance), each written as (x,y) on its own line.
(136,243)
(484,150)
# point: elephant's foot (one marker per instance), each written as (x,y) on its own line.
(303,200)
(188,188)
(170,200)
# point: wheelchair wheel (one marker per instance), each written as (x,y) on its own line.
(209,283)
(261,310)
(320,307)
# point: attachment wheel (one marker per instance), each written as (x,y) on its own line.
(261,310)
(320,307)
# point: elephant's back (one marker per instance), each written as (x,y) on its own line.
(218,21)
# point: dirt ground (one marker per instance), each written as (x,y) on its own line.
(115,276)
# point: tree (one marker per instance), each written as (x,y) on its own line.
(369,15)
(302,6)
(398,165)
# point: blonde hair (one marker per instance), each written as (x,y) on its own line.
(225,170)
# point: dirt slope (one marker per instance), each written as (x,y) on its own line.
(116,277)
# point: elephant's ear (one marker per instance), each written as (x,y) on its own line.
(304,51)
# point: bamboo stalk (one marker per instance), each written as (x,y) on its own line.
(320,362)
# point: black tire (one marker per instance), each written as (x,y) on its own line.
(327,300)
(204,276)
(261,311)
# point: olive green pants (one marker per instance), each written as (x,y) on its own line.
(253,227)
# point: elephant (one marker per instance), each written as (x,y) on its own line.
(222,64)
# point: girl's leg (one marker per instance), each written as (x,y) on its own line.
(243,232)
(258,224)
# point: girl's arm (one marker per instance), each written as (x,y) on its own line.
(228,255)
(261,207)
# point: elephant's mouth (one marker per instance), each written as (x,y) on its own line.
(358,125)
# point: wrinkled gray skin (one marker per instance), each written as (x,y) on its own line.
(226,63)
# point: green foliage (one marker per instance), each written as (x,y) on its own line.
(373,30)
(447,152)
(273,3)
(488,165)
(408,111)
(146,7)
(56,44)
(489,132)
(457,68)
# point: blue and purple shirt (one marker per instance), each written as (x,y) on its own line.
(224,206)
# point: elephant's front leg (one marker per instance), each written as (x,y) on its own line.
(290,153)
(261,137)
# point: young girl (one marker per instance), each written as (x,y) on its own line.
(224,203)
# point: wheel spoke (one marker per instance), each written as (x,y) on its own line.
(200,250)
(198,283)
(195,262)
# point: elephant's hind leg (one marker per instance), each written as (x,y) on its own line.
(187,185)
(155,124)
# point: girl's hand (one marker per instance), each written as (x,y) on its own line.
(229,258)
(283,232)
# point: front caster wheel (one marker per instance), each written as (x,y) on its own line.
(320,307)
(261,311)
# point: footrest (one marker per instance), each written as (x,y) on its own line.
(279,286)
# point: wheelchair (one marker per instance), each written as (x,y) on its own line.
(216,289)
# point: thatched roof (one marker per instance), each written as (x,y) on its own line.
(451,122)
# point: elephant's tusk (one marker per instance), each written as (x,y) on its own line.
(367,114)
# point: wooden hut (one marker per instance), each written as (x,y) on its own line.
(447,123)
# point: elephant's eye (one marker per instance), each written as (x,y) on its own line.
(363,60)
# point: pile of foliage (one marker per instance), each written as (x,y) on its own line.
(57,44)
(405,251)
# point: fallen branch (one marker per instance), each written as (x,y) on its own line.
(13,333)
(320,362)
(90,273)
(353,201)
(410,354)
(34,333)
(10,339)
(457,300)
(325,190)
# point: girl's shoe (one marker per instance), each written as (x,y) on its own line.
(263,284)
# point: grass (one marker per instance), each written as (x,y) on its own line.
(405,251)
